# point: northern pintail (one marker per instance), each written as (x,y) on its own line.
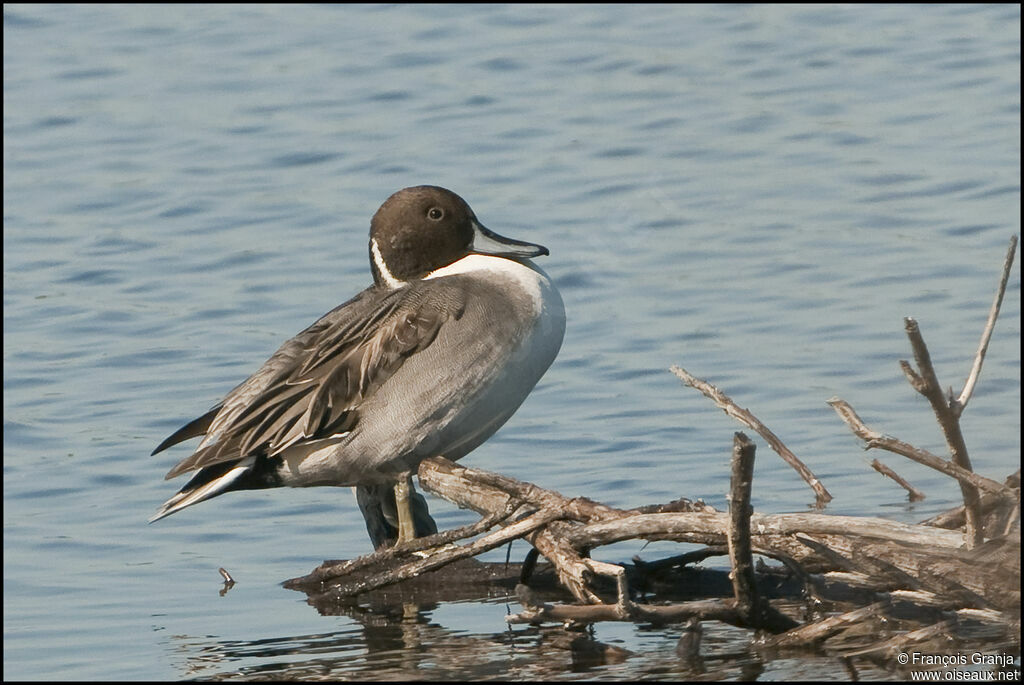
(431,359)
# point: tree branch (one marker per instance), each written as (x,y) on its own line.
(950,425)
(746,418)
(986,335)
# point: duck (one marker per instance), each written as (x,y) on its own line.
(432,359)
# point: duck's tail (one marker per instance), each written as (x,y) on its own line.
(208,482)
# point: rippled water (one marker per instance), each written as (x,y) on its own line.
(758,194)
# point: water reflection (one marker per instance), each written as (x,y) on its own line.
(393,633)
(403,642)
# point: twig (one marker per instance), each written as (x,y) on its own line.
(567,543)
(875,439)
(985,616)
(229,582)
(481,490)
(927,383)
(746,418)
(1012,520)
(913,493)
(536,611)
(961,402)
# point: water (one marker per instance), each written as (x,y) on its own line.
(758,194)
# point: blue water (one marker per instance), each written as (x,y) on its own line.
(758,194)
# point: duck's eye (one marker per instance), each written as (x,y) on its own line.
(435,213)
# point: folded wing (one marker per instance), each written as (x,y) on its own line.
(312,387)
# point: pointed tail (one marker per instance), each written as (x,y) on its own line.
(210,484)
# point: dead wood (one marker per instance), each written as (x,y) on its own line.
(874,439)
(913,493)
(948,410)
(928,554)
(926,382)
(745,417)
(1000,511)
(754,609)
(868,586)
(965,395)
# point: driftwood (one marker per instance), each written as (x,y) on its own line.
(726,404)
(859,586)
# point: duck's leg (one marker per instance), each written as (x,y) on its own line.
(403,493)
(377,504)
(374,503)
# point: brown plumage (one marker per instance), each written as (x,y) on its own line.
(311,387)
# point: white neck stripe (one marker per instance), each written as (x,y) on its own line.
(382,268)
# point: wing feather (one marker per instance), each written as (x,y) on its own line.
(312,387)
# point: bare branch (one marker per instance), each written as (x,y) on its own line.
(916,382)
(876,439)
(914,494)
(746,418)
(986,335)
(950,425)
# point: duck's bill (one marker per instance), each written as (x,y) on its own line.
(486,241)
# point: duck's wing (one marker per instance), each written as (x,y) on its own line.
(192,429)
(312,387)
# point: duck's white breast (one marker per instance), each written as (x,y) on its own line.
(529,355)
